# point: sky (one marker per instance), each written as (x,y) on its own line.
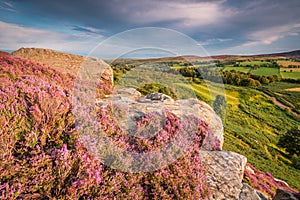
(239,27)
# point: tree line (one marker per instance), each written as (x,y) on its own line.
(228,77)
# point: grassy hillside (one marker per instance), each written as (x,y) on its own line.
(266,71)
(254,127)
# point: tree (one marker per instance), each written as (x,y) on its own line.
(291,141)
(219,105)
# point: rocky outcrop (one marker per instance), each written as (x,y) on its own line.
(70,63)
(224,173)
(286,195)
(225,169)
(60,61)
(248,193)
(138,105)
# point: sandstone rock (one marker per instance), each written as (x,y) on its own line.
(158,96)
(60,61)
(262,196)
(205,112)
(283,183)
(248,193)
(285,195)
(97,71)
(224,173)
(69,63)
(137,105)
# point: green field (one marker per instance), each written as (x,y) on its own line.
(209,93)
(266,71)
(252,63)
(292,75)
(240,69)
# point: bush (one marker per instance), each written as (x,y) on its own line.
(291,141)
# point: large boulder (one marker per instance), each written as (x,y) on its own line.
(69,63)
(286,195)
(138,105)
(224,173)
(248,193)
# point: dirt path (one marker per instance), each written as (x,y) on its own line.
(278,103)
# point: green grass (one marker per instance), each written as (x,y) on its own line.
(240,69)
(266,71)
(252,63)
(253,125)
(292,75)
(253,130)
(280,92)
(209,92)
(140,76)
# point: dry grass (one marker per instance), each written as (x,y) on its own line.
(289,69)
(293,89)
(286,63)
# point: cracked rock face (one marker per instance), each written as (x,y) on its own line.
(137,105)
(224,173)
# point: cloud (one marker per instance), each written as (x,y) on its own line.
(14,36)
(7,6)
(120,14)
(181,14)
(215,41)
(270,35)
(245,23)
(87,29)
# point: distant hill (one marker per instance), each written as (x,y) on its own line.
(70,63)
(3,53)
(295,54)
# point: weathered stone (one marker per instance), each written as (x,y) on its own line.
(95,69)
(285,195)
(224,173)
(130,92)
(137,105)
(70,63)
(248,193)
(262,196)
(158,96)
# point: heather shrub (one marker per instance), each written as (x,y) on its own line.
(263,181)
(42,155)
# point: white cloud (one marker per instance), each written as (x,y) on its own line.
(272,34)
(7,7)
(14,36)
(214,41)
(183,14)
